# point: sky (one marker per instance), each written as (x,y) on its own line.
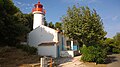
(109,11)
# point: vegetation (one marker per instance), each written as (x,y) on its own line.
(51,25)
(86,27)
(113,43)
(83,25)
(80,23)
(14,25)
(94,54)
(28,49)
(58,26)
(13,57)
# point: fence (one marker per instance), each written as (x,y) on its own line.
(44,62)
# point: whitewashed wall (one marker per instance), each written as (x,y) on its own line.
(38,20)
(42,34)
(48,51)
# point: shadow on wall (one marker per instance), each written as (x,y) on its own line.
(48,34)
(42,34)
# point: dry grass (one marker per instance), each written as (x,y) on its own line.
(13,57)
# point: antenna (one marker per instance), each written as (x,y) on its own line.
(38,0)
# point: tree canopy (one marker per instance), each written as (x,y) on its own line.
(12,30)
(117,40)
(51,25)
(83,25)
(58,26)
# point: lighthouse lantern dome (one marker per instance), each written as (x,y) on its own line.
(38,8)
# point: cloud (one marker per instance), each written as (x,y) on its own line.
(23,5)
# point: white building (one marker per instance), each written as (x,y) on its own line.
(48,41)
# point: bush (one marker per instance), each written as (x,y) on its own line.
(86,54)
(27,48)
(116,50)
(93,54)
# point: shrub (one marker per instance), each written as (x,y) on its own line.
(27,48)
(116,50)
(93,54)
(87,55)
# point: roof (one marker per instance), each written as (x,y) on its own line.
(47,44)
(42,26)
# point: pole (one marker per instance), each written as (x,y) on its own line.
(50,62)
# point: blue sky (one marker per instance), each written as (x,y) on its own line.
(109,10)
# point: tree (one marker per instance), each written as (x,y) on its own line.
(12,30)
(83,25)
(58,25)
(51,25)
(45,22)
(117,40)
(116,45)
(29,22)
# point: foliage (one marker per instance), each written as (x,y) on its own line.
(45,22)
(113,43)
(84,25)
(117,40)
(12,30)
(93,54)
(51,25)
(116,50)
(25,19)
(28,49)
(116,45)
(29,20)
(58,26)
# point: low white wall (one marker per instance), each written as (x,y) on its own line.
(67,53)
(47,51)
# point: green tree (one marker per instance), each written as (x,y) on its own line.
(58,25)
(12,30)
(83,25)
(117,40)
(116,45)
(51,25)
(29,22)
(45,22)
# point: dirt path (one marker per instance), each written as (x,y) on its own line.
(115,60)
(75,62)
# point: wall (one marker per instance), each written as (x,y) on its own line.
(48,51)
(38,20)
(62,42)
(42,34)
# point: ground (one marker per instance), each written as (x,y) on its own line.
(13,57)
(113,61)
(75,62)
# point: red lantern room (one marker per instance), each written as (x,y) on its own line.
(38,8)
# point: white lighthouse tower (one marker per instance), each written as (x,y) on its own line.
(39,14)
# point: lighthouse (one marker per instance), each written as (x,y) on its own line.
(39,14)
